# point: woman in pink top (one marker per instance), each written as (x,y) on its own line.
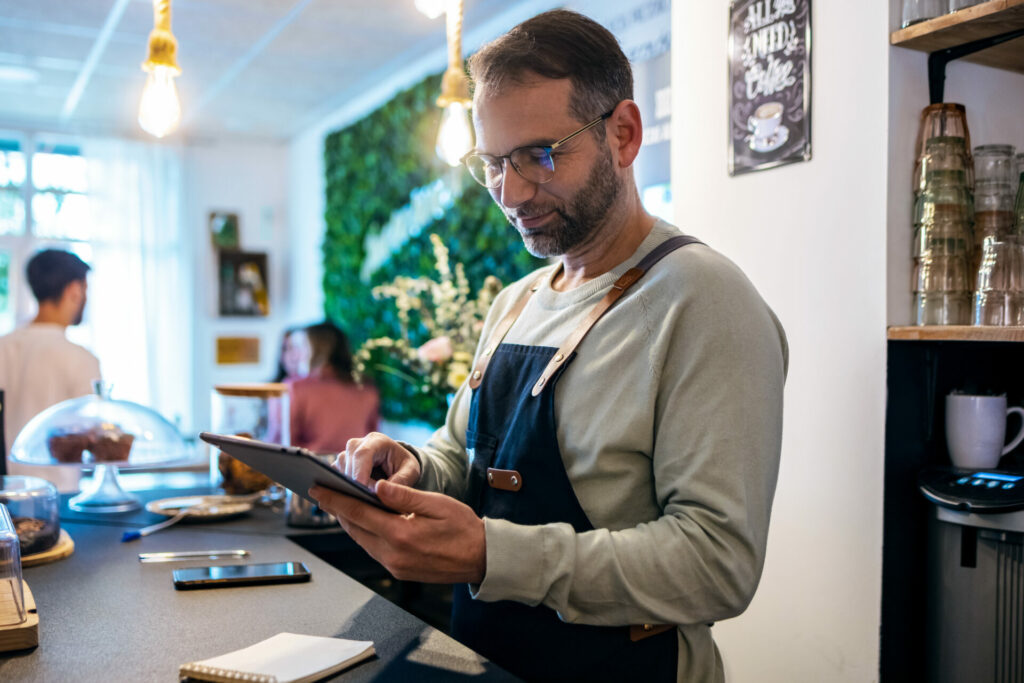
(328,407)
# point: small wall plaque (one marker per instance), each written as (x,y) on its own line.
(238,350)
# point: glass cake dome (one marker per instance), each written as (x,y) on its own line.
(106,434)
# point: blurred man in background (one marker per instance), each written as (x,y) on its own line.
(39,367)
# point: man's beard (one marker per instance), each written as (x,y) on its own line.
(577,223)
(80,315)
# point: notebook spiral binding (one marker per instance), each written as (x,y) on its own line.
(225,674)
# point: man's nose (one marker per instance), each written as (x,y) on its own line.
(515,189)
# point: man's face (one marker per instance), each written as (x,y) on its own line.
(82,288)
(559,216)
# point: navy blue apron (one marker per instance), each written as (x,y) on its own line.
(516,474)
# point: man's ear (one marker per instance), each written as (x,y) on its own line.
(74,292)
(625,133)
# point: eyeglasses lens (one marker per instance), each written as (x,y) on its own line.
(532,163)
(485,170)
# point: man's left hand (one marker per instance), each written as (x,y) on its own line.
(435,539)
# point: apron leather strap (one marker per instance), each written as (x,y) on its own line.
(499,334)
(627,280)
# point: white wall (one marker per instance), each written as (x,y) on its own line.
(250,180)
(812,238)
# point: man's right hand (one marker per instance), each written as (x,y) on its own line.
(361,456)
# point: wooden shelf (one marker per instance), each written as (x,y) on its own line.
(973,23)
(956,333)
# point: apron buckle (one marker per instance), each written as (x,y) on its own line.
(641,631)
(506,480)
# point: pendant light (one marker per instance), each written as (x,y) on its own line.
(159,111)
(455,136)
(432,8)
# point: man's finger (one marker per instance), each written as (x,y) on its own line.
(407,474)
(367,517)
(409,500)
(361,464)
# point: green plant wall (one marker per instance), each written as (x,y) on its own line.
(371,168)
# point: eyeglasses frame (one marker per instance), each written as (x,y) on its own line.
(547,148)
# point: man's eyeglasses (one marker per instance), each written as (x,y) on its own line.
(532,163)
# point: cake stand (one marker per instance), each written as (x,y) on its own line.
(106,435)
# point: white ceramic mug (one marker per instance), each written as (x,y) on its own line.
(766,120)
(976,430)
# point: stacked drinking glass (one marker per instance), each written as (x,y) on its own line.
(997,184)
(999,298)
(915,11)
(1018,211)
(1000,273)
(943,218)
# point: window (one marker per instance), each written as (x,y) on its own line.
(12,181)
(44,202)
(60,207)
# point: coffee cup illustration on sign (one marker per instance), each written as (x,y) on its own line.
(765,126)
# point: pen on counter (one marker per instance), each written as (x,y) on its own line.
(192,554)
(146,531)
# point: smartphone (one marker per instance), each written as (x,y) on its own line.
(240,575)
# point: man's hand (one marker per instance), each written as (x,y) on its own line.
(376,450)
(436,539)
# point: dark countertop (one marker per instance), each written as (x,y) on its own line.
(103,615)
(260,520)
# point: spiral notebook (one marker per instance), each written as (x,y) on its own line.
(284,658)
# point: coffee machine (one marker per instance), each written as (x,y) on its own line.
(975,596)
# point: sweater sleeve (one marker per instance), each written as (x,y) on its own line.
(718,363)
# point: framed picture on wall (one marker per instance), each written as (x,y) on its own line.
(769,84)
(244,288)
(224,229)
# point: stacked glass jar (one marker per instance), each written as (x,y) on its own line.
(999,285)
(943,218)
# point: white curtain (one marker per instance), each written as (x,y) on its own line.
(140,307)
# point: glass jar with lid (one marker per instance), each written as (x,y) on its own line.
(106,435)
(35,510)
(256,411)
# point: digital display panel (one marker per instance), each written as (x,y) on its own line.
(998,477)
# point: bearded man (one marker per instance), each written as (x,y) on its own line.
(602,487)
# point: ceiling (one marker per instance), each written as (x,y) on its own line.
(264,69)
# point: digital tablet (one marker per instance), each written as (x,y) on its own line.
(294,468)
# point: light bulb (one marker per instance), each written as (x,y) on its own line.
(432,8)
(455,137)
(159,111)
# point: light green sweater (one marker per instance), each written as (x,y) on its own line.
(669,421)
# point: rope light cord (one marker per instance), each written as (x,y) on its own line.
(163,46)
(454,25)
(454,83)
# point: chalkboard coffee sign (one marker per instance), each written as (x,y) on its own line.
(769,83)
